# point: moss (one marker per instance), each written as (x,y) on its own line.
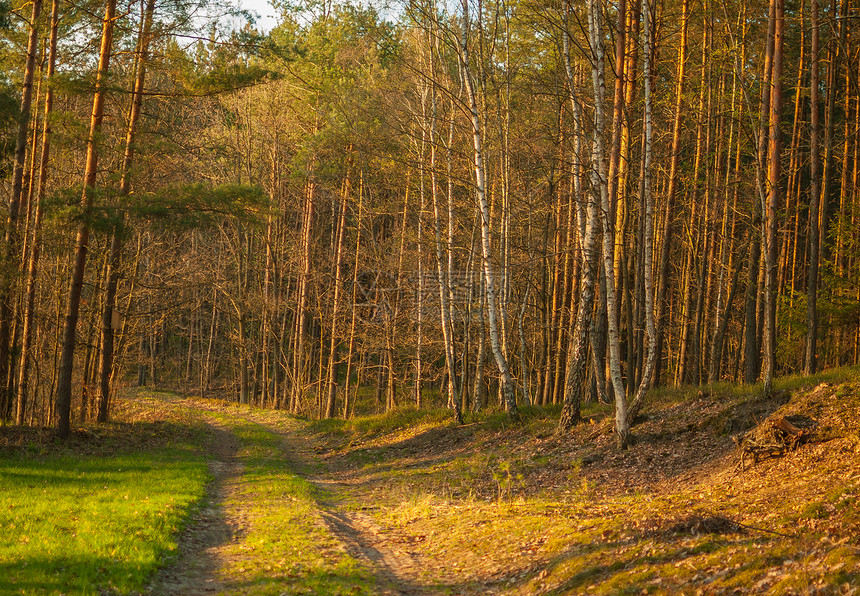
(814,511)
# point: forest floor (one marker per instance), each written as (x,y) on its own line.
(429,507)
(410,503)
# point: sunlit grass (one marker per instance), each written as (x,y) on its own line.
(287,548)
(82,524)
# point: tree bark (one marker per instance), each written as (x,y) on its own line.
(331,383)
(810,348)
(11,259)
(648,276)
(443,283)
(666,241)
(773,198)
(33,264)
(64,381)
(301,321)
(107,328)
(509,392)
(587,222)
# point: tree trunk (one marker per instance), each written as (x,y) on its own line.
(587,222)
(600,185)
(33,265)
(666,242)
(443,261)
(353,310)
(107,321)
(809,360)
(64,381)
(11,259)
(773,198)
(648,276)
(331,384)
(835,55)
(508,389)
(301,322)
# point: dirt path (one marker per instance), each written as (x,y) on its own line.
(395,569)
(195,570)
(199,567)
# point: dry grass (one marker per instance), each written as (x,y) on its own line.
(520,510)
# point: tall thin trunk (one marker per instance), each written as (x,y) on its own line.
(107,321)
(353,308)
(36,242)
(587,223)
(666,242)
(809,359)
(837,43)
(618,203)
(793,189)
(442,268)
(524,367)
(478,389)
(419,322)
(301,322)
(773,198)
(648,275)
(722,307)
(508,389)
(599,185)
(331,385)
(10,258)
(64,381)
(752,349)
(554,380)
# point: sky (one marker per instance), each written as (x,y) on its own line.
(267,15)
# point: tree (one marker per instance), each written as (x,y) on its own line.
(64,382)
(809,361)
(109,319)
(11,259)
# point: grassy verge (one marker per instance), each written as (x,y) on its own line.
(75,522)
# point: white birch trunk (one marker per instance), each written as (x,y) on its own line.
(648,240)
(508,389)
(600,186)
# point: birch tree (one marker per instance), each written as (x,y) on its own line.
(493,320)
(588,224)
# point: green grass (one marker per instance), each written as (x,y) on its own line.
(287,547)
(78,524)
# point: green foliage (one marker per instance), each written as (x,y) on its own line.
(227,77)
(5,9)
(199,204)
(176,207)
(9,110)
(64,208)
(505,476)
(791,329)
(83,525)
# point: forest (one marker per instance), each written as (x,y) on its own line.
(477,205)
